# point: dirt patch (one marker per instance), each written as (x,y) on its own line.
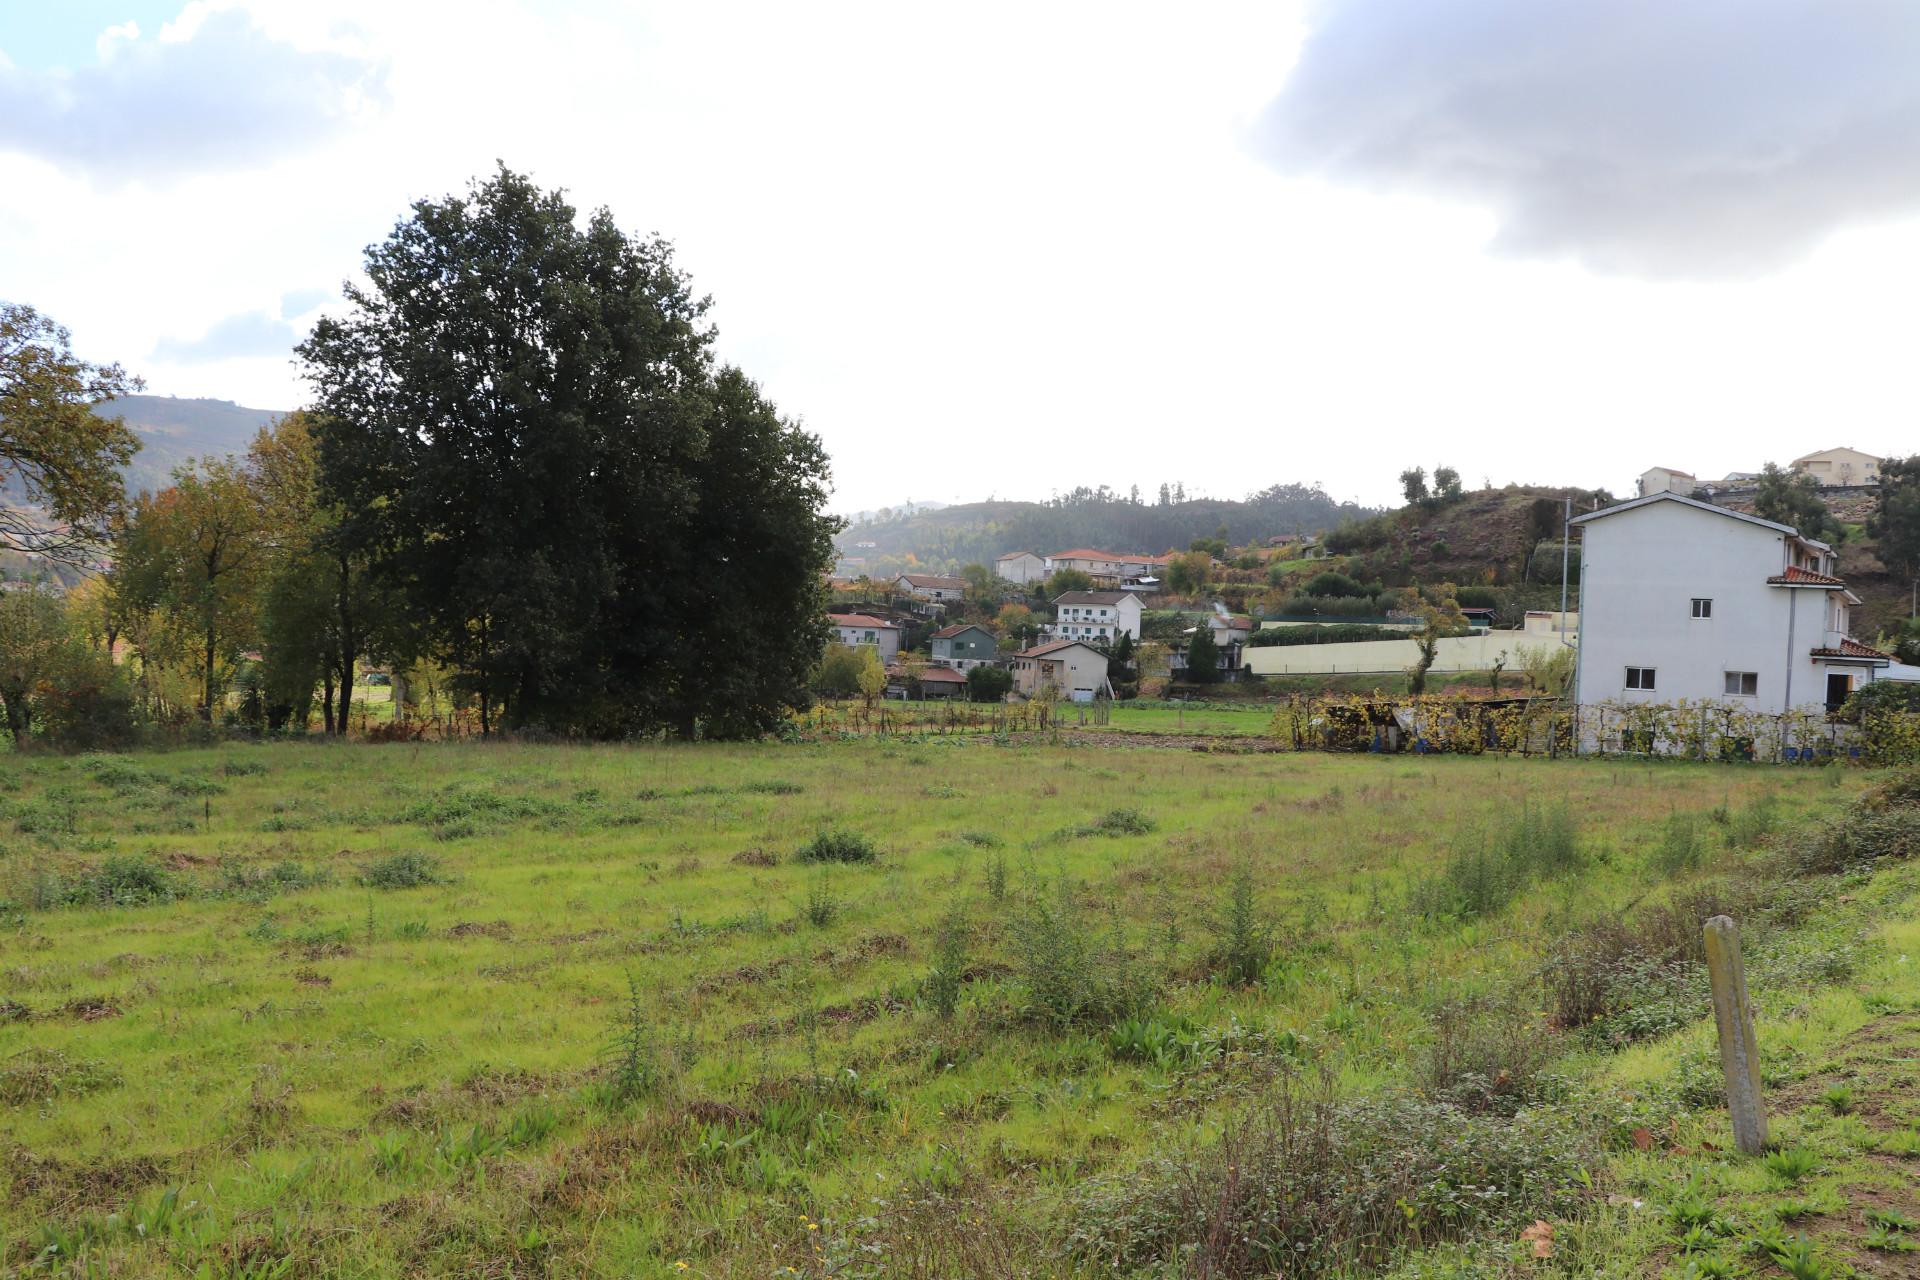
(707,1111)
(14,1011)
(66,1185)
(89,1009)
(311,978)
(504,1086)
(180,861)
(472,929)
(755,858)
(744,974)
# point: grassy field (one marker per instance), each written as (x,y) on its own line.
(514,1010)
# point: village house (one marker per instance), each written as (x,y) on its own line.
(1107,568)
(1101,616)
(1664,480)
(855,629)
(1840,466)
(1681,600)
(1070,669)
(963,646)
(930,586)
(1020,567)
(929,682)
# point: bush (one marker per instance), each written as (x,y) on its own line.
(402,871)
(1485,1055)
(126,882)
(1322,633)
(1331,583)
(1332,607)
(1076,971)
(1243,938)
(1485,872)
(1301,1185)
(1859,839)
(88,705)
(838,846)
(988,684)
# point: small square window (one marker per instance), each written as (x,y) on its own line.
(1639,677)
(1702,607)
(1743,684)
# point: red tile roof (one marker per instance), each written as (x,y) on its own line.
(956,629)
(1795,576)
(942,675)
(859,620)
(1850,648)
(1042,650)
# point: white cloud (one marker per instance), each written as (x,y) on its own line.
(213,92)
(1701,139)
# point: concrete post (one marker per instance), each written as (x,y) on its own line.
(1739,1051)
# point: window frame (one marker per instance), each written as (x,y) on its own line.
(1741,684)
(1703,614)
(1642,679)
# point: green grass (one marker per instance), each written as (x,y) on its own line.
(506,1009)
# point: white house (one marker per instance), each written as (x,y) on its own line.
(1107,568)
(1074,671)
(1664,480)
(854,629)
(1683,600)
(929,586)
(1095,615)
(1839,466)
(1020,566)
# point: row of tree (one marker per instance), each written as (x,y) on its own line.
(522,469)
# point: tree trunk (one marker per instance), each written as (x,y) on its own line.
(346,688)
(206,700)
(326,695)
(19,717)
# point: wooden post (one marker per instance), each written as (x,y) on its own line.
(1739,1051)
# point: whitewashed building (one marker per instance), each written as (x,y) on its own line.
(1664,480)
(1020,566)
(1839,466)
(856,629)
(1073,671)
(1683,600)
(1102,616)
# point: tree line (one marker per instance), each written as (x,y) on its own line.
(523,475)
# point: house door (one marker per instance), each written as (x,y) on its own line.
(1839,685)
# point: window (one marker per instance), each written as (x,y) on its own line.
(1702,608)
(1639,677)
(1743,684)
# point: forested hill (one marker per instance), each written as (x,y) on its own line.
(172,430)
(980,531)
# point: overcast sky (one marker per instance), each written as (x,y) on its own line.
(1009,249)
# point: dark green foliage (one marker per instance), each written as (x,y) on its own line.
(1322,633)
(1331,583)
(402,871)
(1203,657)
(1896,516)
(988,684)
(1881,696)
(1478,597)
(124,882)
(839,846)
(585,532)
(1334,607)
(1301,1185)
(1791,498)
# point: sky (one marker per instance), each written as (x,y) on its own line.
(1010,249)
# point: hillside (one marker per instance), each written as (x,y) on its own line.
(172,430)
(979,531)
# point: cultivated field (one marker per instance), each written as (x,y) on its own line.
(511,1010)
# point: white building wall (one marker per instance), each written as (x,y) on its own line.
(1387,657)
(1639,574)
(1021,569)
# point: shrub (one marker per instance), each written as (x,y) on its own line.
(402,871)
(1678,849)
(1863,836)
(988,684)
(125,882)
(1300,1185)
(1076,968)
(821,907)
(834,845)
(944,981)
(1488,869)
(1485,1055)
(1244,939)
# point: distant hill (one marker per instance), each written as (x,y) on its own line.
(978,532)
(172,430)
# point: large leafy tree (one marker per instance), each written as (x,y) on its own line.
(1895,522)
(196,555)
(55,452)
(1790,497)
(33,633)
(523,430)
